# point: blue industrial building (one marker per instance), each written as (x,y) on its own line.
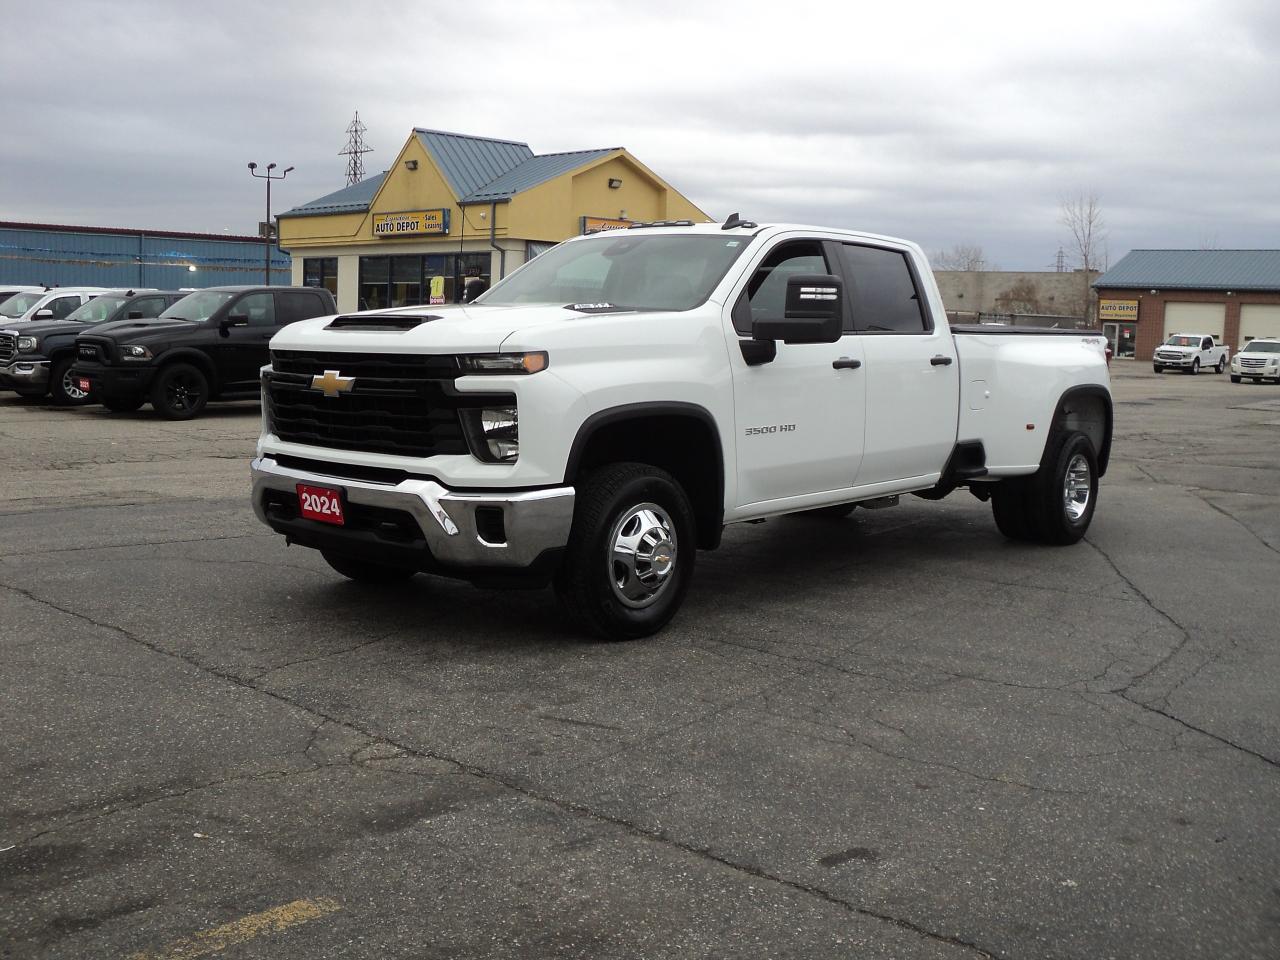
(41,253)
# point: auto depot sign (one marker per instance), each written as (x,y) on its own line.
(410,223)
(1122,310)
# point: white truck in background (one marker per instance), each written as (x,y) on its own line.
(1191,352)
(604,412)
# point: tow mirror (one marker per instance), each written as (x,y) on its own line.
(814,312)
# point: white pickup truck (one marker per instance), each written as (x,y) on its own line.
(1191,352)
(601,414)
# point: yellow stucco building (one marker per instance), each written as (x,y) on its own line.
(453,208)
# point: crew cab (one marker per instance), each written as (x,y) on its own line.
(53,303)
(1191,352)
(1258,361)
(207,346)
(40,353)
(600,415)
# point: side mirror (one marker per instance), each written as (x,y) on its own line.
(45,314)
(814,312)
(232,320)
(135,315)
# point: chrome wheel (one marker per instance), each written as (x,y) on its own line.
(642,559)
(1077,487)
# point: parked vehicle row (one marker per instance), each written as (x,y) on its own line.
(122,348)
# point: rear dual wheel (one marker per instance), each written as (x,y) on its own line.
(1055,505)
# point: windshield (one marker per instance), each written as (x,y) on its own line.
(632,271)
(96,310)
(197,307)
(1262,346)
(20,303)
(1177,341)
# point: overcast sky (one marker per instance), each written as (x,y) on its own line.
(946,123)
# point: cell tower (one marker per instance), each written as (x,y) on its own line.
(355,151)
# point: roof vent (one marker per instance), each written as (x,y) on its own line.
(392,322)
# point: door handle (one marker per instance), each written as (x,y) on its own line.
(940,361)
(846,363)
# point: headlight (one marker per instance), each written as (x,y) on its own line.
(494,433)
(134,351)
(28,344)
(503,362)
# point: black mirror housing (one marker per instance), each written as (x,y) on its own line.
(814,312)
(135,315)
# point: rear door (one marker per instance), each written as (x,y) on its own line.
(798,418)
(911,371)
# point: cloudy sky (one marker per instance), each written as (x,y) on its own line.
(947,123)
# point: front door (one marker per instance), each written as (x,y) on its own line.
(243,349)
(799,419)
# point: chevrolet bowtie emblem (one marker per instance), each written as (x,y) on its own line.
(332,383)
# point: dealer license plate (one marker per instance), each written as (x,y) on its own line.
(321,503)
(83,384)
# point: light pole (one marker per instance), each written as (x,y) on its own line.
(268,176)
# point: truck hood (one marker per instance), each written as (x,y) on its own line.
(40,328)
(141,331)
(454,328)
(1166,348)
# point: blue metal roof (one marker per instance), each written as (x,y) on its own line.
(533,171)
(350,199)
(470,162)
(1195,270)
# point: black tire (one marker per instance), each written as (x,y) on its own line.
(1064,491)
(615,598)
(123,405)
(366,571)
(835,512)
(1157,368)
(180,392)
(1195,366)
(1221,365)
(62,387)
(1234,378)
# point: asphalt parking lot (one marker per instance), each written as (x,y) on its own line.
(896,735)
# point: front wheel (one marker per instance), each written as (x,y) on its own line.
(630,553)
(366,571)
(65,388)
(1195,366)
(180,392)
(1157,368)
(1234,378)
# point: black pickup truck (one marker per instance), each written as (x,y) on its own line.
(36,356)
(209,345)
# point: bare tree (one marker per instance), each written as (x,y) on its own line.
(1082,216)
(962,256)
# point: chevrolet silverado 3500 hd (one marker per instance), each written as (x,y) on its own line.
(602,413)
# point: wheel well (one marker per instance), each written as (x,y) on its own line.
(196,359)
(684,445)
(1088,409)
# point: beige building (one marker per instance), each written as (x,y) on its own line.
(455,208)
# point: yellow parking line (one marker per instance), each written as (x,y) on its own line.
(218,939)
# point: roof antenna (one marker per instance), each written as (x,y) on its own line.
(736,221)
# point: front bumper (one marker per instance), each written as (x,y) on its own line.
(24,374)
(1172,361)
(112,382)
(419,522)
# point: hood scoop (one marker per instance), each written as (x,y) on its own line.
(389,322)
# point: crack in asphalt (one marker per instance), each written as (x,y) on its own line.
(1231,516)
(562,803)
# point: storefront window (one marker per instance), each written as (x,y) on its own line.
(321,272)
(406,281)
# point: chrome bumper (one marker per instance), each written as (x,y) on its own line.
(534,520)
(25,373)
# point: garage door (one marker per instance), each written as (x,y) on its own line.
(1194,318)
(1258,320)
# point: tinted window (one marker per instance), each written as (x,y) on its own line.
(62,306)
(260,308)
(96,310)
(298,306)
(881,291)
(147,306)
(766,294)
(1207,344)
(197,307)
